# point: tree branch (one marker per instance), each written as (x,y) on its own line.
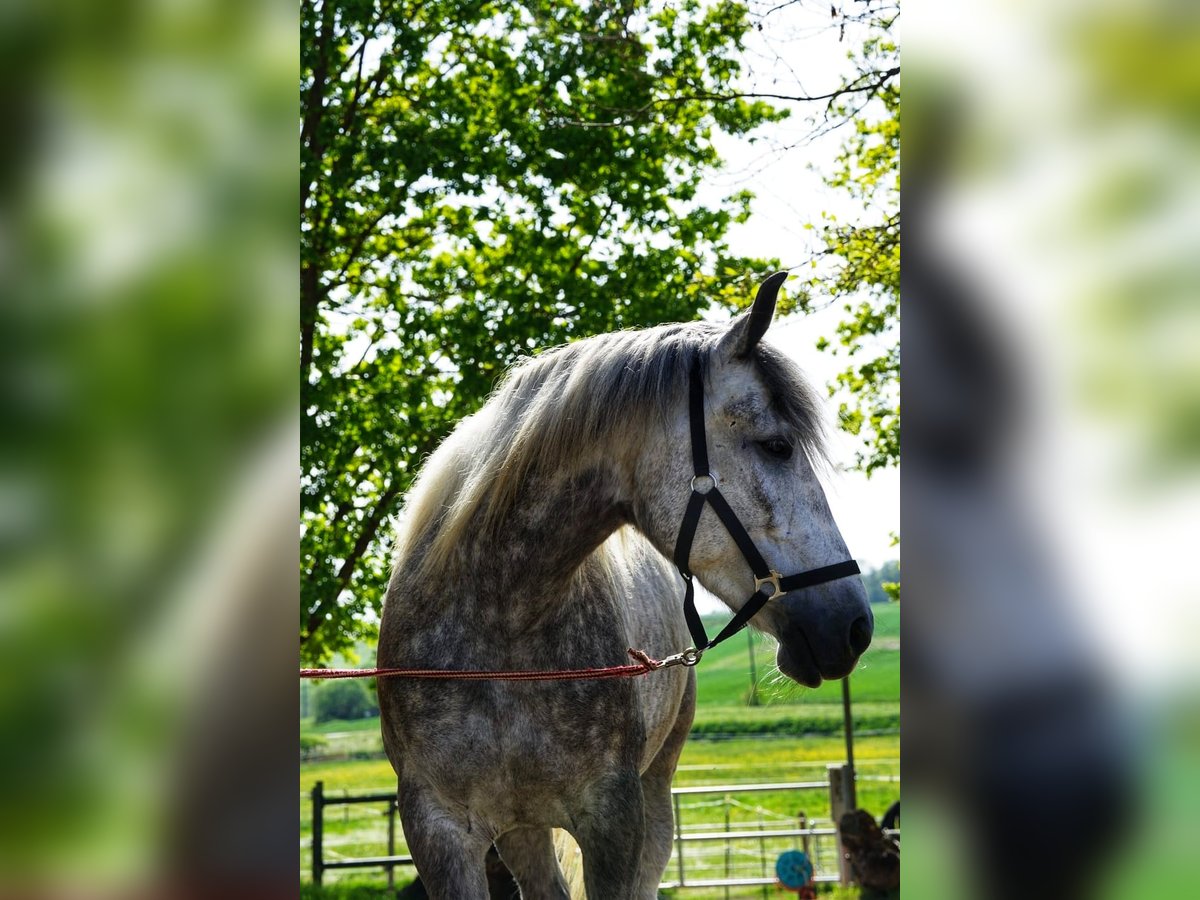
(369,529)
(855,87)
(314,104)
(310,302)
(359,240)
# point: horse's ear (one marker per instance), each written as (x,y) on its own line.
(748,328)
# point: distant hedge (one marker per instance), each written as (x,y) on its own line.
(343,699)
(311,744)
(793,725)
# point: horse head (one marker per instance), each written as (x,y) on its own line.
(763,436)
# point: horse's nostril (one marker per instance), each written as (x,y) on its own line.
(860,635)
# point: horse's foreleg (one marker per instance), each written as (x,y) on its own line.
(608,826)
(529,855)
(656,789)
(448,852)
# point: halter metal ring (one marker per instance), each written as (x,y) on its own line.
(688,657)
(703,484)
(773,581)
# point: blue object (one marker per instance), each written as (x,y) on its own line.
(794,869)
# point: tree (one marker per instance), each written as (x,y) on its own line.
(344,699)
(480,179)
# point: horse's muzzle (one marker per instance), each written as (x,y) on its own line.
(817,644)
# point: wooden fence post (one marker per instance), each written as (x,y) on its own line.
(839,794)
(318,831)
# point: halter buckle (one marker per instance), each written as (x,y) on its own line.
(688,657)
(772,580)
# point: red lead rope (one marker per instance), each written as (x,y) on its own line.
(645,664)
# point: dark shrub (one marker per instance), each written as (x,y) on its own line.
(343,699)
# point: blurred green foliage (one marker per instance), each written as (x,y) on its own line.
(144,359)
(479,180)
(1136,304)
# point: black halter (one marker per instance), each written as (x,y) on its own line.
(704,490)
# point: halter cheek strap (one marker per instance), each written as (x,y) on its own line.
(768,584)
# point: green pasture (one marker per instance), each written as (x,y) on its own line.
(724,673)
(338,726)
(780,706)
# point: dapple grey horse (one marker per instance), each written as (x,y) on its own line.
(538,537)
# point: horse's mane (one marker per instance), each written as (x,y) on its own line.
(596,391)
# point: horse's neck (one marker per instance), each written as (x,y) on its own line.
(557,521)
(537,593)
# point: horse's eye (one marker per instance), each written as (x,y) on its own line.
(778,447)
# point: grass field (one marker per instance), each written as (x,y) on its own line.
(725,669)
(784,707)
(792,735)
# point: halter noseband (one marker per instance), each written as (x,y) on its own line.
(704,490)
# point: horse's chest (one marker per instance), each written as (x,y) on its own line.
(525,720)
(516,749)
